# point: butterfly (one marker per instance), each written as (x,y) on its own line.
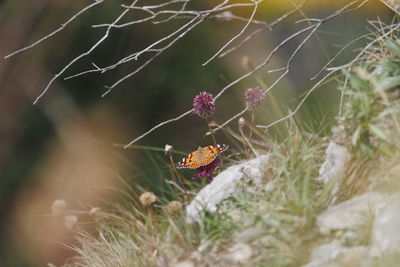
(201,157)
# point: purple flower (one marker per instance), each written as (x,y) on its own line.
(204,105)
(208,170)
(254,97)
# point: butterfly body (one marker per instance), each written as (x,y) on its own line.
(201,157)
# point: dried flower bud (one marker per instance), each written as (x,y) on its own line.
(147,198)
(168,149)
(174,207)
(204,105)
(94,210)
(241,122)
(58,207)
(246,63)
(70,221)
(254,97)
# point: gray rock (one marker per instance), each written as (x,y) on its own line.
(226,184)
(184,264)
(334,254)
(385,232)
(240,253)
(335,163)
(348,238)
(351,213)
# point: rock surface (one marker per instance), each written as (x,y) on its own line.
(348,216)
(351,213)
(334,254)
(240,253)
(226,184)
(335,163)
(385,232)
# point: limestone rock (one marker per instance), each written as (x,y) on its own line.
(226,184)
(335,163)
(184,264)
(385,232)
(240,253)
(334,254)
(351,213)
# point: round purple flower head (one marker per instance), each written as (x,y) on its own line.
(207,171)
(254,97)
(204,105)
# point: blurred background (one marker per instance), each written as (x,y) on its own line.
(62,147)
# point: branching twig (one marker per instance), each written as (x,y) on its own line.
(231,119)
(82,55)
(311,28)
(260,30)
(371,43)
(256,3)
(291,114)
(96,2)
(222,11)
(158,126)
(390,7)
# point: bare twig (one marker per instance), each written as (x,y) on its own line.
(95,3)
(371,43)
(256,3)
(389,6)
(312,28)
(158,126)
(83,54)
(176,9)
(153,57)
(228,121)
(260,30)
(291,114)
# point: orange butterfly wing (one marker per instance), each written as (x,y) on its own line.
(201,157)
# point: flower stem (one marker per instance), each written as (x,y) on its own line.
(181,181)
(215,141)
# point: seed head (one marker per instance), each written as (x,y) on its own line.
(94,210)
(147,198)
(58,207)
(254,97)
(247,63)
(168,149)
(70,221)
(174,207)
(204,105)
(241,122)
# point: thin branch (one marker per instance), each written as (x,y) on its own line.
(265,62)
(362,37)
(97,2)
(158,126)
(83,54)
(389,6)
(256,3)
(291,114)
(355,59)
(206,13)
(260,30)
(151,59)
(231,119)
